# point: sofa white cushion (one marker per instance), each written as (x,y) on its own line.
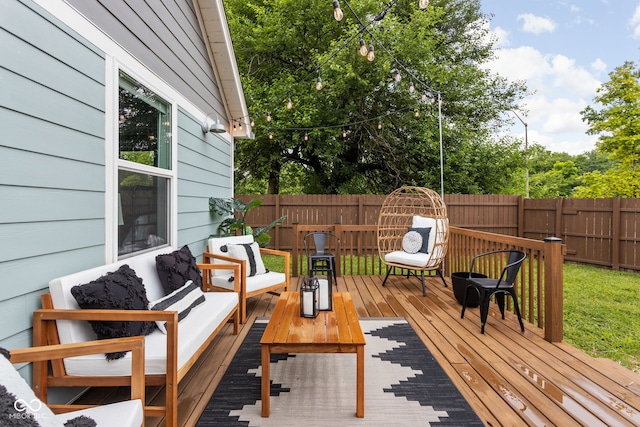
(122,414)
(72,331)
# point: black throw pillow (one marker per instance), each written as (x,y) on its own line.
(176,268)
(119,290)
(424,232)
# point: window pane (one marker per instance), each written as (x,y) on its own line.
(143,213)
(144,125)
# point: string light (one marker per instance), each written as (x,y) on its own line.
(319,83)
(306,136)
(363,48)
(268,117)
(289,104)
(379,125)
(337,12)
(270,135)
(371,54)
(398,76)
(416,113)
(412,88)
(253,123)
(422,4)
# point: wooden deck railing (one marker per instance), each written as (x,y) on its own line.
(540,281)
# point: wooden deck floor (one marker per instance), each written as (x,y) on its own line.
(509,378)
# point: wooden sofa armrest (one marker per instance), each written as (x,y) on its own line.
(206,268)
(41,354)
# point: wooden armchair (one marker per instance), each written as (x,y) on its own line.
(254,278)
(122,414)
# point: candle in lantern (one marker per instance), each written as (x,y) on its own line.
(308,304)
(324,294)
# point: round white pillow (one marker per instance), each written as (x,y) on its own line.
(412,242)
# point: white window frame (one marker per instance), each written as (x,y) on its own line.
(113,163)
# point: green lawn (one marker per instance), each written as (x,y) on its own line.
(601,312)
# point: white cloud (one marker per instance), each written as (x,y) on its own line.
(502,37)
(599,66)
(634,22)
(536,24)
(573,78)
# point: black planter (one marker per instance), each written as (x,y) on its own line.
(459,282)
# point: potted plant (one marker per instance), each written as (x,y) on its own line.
(230,225)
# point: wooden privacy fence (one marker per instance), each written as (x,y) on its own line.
(539,281)
(601,232)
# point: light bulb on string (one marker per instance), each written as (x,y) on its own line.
(424,97)
(306,136)
(363,48)
(398,76)
(416,113)
(268,117)
(379,125)
(412,88)
(289,104)
(422,4)
(240,125)
(319,83)
(252,123)
(270,135)
(371,54)
(337,12)
(344,133)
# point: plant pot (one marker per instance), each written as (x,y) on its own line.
(459,282)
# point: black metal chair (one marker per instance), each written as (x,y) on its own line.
(316,246)
(487,287)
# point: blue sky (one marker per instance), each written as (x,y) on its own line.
(564,51)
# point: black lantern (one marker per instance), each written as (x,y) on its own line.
(309,297)
(324,277)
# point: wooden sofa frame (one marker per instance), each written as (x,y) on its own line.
(46,333)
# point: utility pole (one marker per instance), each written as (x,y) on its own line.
(526,154)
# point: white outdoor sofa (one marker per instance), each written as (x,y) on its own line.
(167,357)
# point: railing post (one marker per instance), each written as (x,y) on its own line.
(295,250)
(553,289)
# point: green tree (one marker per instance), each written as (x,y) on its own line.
(618,128)
(617,122)
(364,131)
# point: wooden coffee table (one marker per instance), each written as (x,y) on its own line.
(336,331)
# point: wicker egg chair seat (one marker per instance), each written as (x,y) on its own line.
(417,208)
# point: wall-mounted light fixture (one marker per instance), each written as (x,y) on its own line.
(217,127)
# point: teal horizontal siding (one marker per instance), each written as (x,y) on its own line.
(28,169)
(32,204)
(33,274)
(34,134)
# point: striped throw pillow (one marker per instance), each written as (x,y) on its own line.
(182,300)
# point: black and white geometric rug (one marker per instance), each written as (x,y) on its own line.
(404,385)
